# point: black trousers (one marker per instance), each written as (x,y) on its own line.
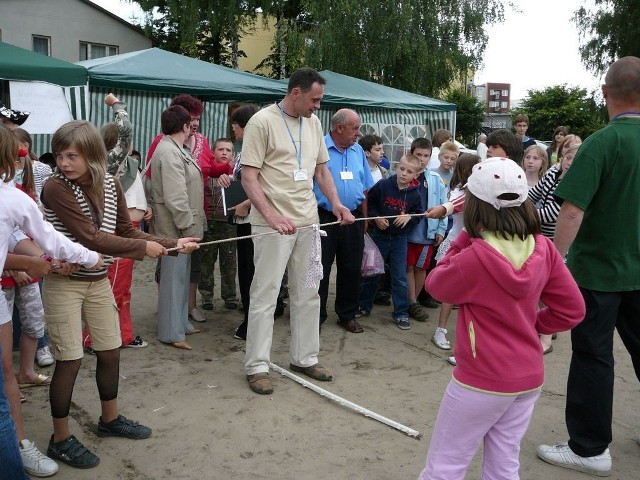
(589,406)
(245,264)
(345,245)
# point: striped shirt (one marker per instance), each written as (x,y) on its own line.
(107,225)
(542,195)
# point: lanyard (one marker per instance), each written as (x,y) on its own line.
(633,113)
(298,151)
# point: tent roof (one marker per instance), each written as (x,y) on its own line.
(343,90)
(157,70)
(19,64)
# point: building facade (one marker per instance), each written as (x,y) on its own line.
(71,30)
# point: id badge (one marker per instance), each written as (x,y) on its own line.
(346,175)
(299,175)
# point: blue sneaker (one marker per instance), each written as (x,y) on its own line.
(403,323)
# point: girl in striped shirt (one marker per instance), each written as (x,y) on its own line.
(87,205)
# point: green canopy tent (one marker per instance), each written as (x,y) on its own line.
(19,64)
(395,115)
(147,80)
(26,67)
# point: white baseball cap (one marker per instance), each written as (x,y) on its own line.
(495,177)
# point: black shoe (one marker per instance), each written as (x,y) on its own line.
(241,331)
(123,427)
(279,311)
(382,298)
(207,305)
(73,453)
(429,302)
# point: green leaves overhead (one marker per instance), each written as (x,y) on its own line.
(610,30)
(559,105)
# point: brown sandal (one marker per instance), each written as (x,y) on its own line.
(351,326)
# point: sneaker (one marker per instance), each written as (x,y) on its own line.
(123,427)
(89,350)
(439,339)
(562,456)
(362,313)
(35,462)
(452,361)
(73,453)
(197,315)
(403,323)
(417,312)
(44,357)
(137,342)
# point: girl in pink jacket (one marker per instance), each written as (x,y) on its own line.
(497,270)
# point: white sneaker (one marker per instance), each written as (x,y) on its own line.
(44,357)
(452,361)
(35,462)
(439,339)
(562,456)
(197,315)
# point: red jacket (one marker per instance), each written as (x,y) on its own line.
(497,347)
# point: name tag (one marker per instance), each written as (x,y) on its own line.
(346,175)
(299,175)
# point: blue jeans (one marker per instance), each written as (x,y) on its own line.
(10,458)
(393,249)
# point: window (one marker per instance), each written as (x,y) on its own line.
(494,104)
(505,93)
(504,105)
(42,45)
(89,51)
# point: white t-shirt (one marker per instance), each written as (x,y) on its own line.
(135,195)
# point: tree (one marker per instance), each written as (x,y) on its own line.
(572,107)
(610,31)
(416,45)
(469,115)
(205,29)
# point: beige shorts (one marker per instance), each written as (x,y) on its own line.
(67,303)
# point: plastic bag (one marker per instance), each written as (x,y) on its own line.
(372,261)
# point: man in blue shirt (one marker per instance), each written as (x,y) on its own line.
(351,175)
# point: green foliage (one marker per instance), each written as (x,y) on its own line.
(559,105)
(416,45)
(610,31)
(469,115)
(203,29)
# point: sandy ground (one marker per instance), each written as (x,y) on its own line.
(208,424)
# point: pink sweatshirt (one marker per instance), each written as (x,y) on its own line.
(497,347)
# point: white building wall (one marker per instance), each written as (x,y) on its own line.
(67,22)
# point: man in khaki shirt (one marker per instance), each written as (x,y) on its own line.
(283,152)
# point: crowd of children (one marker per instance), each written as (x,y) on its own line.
(96,200)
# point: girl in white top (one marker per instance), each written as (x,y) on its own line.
(18,210)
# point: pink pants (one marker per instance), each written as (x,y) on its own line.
(465,419)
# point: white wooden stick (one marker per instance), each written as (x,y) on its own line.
(346,403)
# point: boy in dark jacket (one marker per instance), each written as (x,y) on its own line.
(396,195)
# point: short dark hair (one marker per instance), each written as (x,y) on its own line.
(189,103)
(440,136)
(521,117)
(509,142)
(243,113)
(173,119)
(109,133)
(368,141)
(421,142)
(519,221)
(303,78)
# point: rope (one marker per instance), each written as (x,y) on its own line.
(235,239)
